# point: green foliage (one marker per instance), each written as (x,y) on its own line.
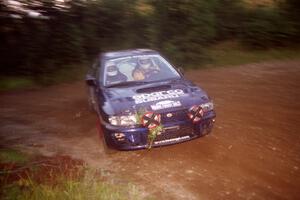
(23,178)
(291,10)
(12,83)
(12,156)
(265,27)
(88,188)
(152,133)
(229,16)
(182,30)
(232,53)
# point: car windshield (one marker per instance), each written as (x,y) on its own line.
(137,69)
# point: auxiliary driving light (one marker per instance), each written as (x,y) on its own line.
(119,136)
(195,113)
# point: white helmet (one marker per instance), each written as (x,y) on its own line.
(144,62)
(111,69)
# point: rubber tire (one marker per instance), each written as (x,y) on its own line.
(106,149)
(209,128)
(92,100)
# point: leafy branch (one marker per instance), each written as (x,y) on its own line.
(153,132)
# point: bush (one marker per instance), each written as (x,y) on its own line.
(229,14)
(265,27)
(182,30)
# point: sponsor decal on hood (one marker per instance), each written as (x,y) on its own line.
(154,96)
(165,104)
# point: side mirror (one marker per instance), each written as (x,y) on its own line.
(180,70)
(90,81)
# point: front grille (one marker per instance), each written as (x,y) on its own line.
(174,133)
(179,115)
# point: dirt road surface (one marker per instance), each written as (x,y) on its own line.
(253,152)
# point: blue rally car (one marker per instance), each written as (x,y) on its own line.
(136,91)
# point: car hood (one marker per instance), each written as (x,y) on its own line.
(158,97)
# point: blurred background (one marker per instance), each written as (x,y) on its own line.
(50,41)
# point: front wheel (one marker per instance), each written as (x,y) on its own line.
(92,103)
(104,141)
(208,127)
(106,149)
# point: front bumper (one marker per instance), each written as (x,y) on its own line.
(174,132)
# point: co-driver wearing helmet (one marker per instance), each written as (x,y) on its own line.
(113,74)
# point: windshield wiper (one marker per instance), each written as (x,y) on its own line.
(128,83)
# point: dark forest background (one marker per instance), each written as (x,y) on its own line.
(62,38)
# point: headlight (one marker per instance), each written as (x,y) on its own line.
(123,120)
(207,106)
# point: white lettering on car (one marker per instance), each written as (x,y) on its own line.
(154,96)
(165,104)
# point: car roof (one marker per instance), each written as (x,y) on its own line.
(129,52)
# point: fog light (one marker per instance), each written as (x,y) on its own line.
(196,113)
(119,136)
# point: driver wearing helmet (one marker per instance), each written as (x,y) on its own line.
(144,69)
(113,74)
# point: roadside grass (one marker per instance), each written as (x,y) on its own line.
(86,189)
(65,75)
(16,82)
(13,156)
(70,73)
(58,178)
(231,53)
